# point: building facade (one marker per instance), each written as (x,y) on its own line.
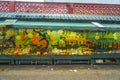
(87,1)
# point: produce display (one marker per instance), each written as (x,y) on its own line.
(36,41)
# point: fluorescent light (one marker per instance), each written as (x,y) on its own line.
(25,0)
(98,24)
(31,0)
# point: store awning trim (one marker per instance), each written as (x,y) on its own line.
(1,21)
(59,25)
(54,24)
(111,25)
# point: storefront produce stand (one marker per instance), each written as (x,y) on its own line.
(36,38)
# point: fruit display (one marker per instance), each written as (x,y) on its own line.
(36,41)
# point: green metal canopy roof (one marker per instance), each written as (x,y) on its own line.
(27,15)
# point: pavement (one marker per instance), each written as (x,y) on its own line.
(59,72)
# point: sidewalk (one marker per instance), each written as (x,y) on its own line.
(60,72)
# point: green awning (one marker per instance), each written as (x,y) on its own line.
(30,23)
(56,16)
(111,25)
(58,25)
(1,21)
(53,25)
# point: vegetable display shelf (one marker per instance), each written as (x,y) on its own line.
(105,58)
(57,59)
(33,59)
(72,59)
(25,59)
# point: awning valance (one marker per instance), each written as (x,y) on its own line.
(59,25)
(53,25)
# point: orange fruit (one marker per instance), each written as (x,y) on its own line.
(44,42)
(22,36)
(52,37)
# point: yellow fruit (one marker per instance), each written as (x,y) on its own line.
(20,53)
(45,53)
(29,30)
(18,37)
(38,53)
(30,35)
(60,31)
(48,32)
(110,52)
(21,30)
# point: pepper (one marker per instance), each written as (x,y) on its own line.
(44,42)
(35,39)
(22,36)
(115,44)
